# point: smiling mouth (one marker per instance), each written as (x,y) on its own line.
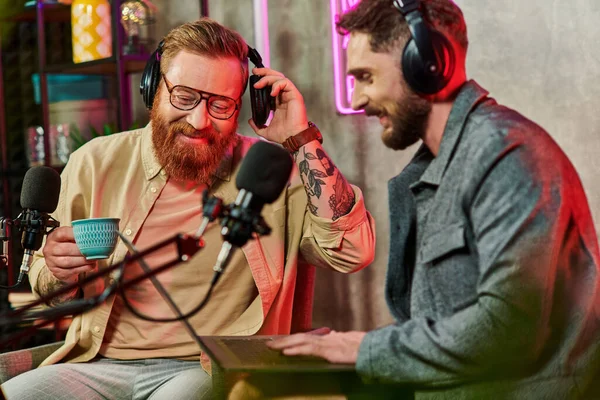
(193,135)
(384,120)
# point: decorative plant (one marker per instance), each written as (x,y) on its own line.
(78,139)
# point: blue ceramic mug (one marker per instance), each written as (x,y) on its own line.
(96,237)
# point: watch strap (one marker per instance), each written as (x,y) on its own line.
(293,143)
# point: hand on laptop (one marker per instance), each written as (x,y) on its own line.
(335,347)
(320,331)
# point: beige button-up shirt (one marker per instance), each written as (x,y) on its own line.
(119,176)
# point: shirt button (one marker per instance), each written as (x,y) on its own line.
(128,232)
(97,329)
(111,281)
(153,189)
(162,172)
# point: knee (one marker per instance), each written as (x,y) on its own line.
(31,384)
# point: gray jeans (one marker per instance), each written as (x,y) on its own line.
(106,378)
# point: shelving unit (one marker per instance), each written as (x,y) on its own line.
(118,67)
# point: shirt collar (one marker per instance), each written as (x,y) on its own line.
(469,96)
(152,167)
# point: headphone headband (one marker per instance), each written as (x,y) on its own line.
(407,6)
(255,57)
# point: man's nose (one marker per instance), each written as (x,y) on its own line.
(198,117)
(359,100)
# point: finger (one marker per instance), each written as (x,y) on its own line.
(309,349)
(266,71)
(320,331)
(64,249)
(62,234)
(289,341)
(68,262)
(279,88)
(79,270)
(67,275)
(253,126)
(270,80)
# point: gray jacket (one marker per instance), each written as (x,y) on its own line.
(493,272)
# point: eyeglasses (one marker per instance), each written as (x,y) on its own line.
(185,98)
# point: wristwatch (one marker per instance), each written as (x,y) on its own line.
(293,143)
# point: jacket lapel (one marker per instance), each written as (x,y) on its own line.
(403,234)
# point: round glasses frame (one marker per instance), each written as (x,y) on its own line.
(200,95)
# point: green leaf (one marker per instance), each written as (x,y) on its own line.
(319,174)
(75,135)
(310,156)
(94,132)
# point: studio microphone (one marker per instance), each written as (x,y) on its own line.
(39,197)
(263,175)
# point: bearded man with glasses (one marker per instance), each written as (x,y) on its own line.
(153,179)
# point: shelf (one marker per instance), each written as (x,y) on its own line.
(105,66)
(52,13)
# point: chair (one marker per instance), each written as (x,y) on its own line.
(16,362)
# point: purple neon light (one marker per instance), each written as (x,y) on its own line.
(343,85)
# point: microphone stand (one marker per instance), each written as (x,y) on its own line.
(238,223)
(160,288)
(5,271)
(186,245)
(5,231)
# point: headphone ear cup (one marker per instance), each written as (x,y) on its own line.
(260,102)
(416,72)
(150,79)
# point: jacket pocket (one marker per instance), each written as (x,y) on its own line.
(451,270)
(443,242)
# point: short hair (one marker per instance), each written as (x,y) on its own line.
(387,27)
(208,38)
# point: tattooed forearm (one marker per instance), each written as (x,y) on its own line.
(329,194)
(341,201)
(47,283)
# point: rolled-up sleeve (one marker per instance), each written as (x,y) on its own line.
(346,244)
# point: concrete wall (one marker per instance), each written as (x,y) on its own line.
(537,56)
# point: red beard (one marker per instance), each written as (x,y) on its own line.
(183,161)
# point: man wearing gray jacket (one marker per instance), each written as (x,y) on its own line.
(493,273)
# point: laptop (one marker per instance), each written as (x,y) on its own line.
(250,353)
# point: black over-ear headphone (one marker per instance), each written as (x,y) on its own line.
(428,59)
(261,101)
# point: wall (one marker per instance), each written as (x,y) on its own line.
(537,56)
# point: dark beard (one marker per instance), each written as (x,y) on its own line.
(186,162)
(409,121)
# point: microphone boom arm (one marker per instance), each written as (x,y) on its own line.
(186,245)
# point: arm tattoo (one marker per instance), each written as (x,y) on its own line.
(342,200)
(47,283)
(315,179)
(311,179)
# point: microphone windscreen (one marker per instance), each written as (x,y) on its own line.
(265,171)
(41,187)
